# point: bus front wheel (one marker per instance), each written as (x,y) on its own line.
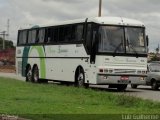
(79,77)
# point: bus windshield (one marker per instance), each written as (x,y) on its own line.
(135,40)
(115,39)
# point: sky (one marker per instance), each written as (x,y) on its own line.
(27,13)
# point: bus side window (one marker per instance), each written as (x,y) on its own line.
(61,34)
(49,35)
(56,34)
(32,36)
(79,32)
(67,33)
(70,33)
(73,33)
(22,38)
(41,35)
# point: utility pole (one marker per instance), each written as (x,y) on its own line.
(4,34)
(100,8)
(8,26)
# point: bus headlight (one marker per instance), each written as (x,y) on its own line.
(101,70)
(141,72)
(108,70)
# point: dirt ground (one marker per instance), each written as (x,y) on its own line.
(8,69)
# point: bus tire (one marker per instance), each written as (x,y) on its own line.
(28,73)
(86,85)
(79,77)
(121,88)
(134,86)
(35,74)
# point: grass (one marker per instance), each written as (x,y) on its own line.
(45,100)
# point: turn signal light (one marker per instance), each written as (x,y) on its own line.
(110,71)
(143,72)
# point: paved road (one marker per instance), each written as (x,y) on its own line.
(144,92)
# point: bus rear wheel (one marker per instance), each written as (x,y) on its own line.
(35,75)
(28,74)
(79,78)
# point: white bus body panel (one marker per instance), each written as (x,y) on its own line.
(116,67)
(61,61)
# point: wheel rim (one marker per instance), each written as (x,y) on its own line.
(29,75)
(36,75)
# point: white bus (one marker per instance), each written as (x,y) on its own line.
(100,51)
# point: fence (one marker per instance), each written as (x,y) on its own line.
(7,56)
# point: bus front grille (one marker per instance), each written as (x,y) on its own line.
(121,71)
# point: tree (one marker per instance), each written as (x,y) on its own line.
(8,44)
(157,49)
(155,58)
(156,55)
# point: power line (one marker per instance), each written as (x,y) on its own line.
(8,27)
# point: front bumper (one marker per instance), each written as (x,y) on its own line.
(117,79)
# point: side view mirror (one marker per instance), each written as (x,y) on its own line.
(147,40)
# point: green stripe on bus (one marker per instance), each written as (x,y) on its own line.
(25,60)
(40,51)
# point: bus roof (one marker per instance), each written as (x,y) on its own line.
(117,21)
(101,20)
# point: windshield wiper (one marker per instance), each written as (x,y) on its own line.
(117,49)
(130,45)
(119,45)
